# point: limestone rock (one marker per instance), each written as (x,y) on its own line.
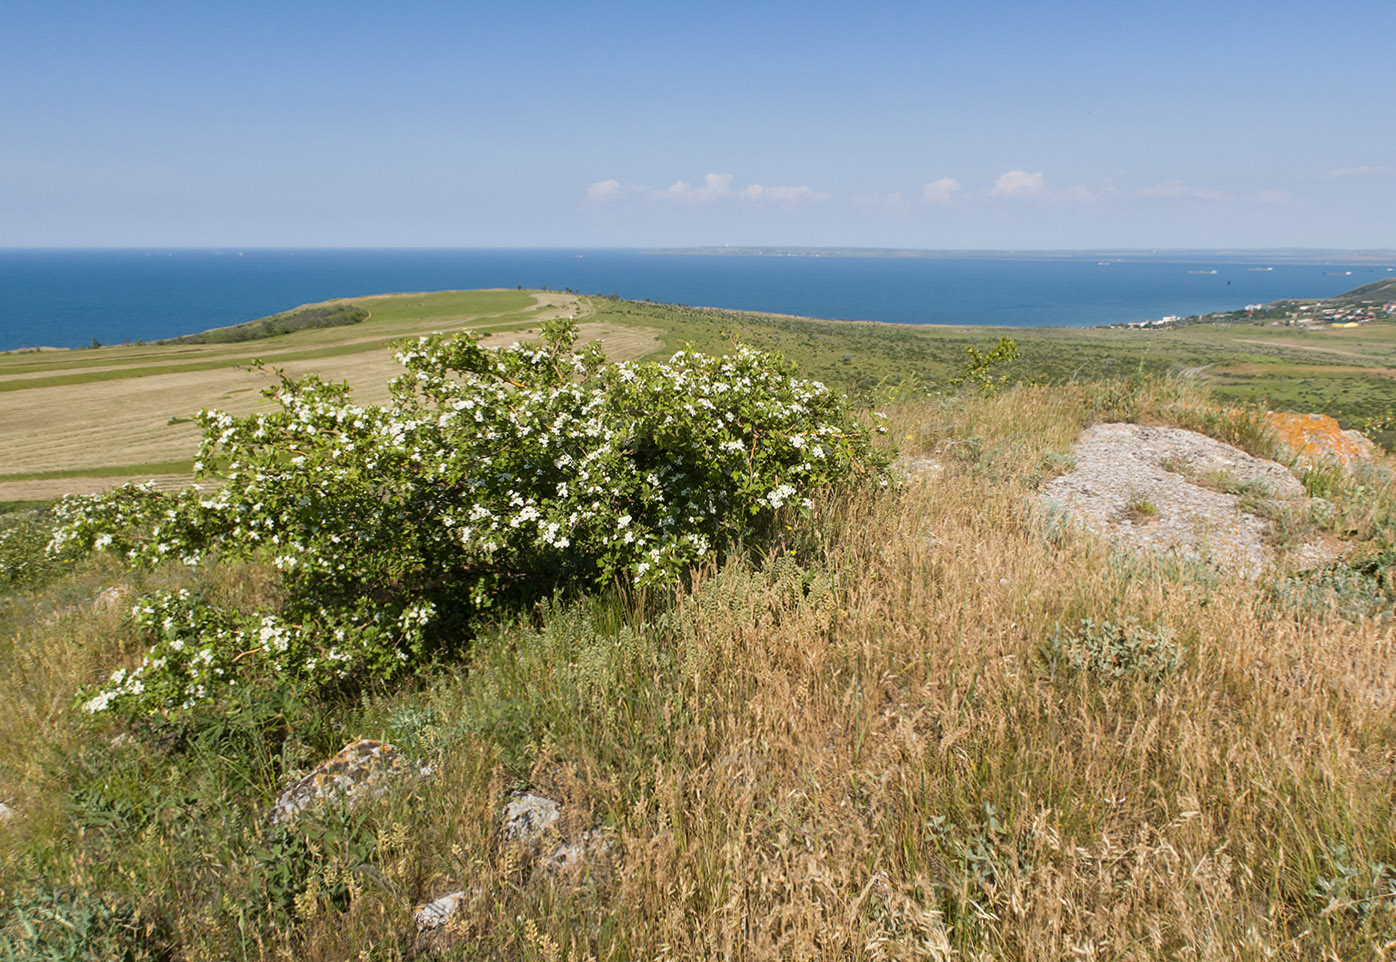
(526,822)
(1182,479)
(1319,437)
(528,816)
(435,914)
(568,860)
(362,768)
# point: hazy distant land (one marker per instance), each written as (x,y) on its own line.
(1296,255)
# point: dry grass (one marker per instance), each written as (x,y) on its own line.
(858,747)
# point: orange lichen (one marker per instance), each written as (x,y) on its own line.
(1318,436)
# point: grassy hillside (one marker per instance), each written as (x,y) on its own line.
(1345,372)
(1374,293)
(872,740)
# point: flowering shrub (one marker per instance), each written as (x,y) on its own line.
(489,470)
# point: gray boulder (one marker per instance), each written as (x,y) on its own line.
(528,816)
(361,769)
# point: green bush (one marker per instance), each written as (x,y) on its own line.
(490,474)
(300,319)
(24,536)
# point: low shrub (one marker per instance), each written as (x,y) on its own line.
(491,474)
(24,536)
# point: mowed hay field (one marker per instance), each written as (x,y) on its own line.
(81,421)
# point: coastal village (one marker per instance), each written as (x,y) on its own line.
(1306,314)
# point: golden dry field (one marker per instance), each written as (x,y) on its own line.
(78,421)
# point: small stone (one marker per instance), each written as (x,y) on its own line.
(6,813)
(361,768)
(570,858)
(435,914)
(112,597)
(527,816)
(918,467)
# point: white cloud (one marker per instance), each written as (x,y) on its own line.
(714,186)
(1176,188)
(1367,170)
(1019,183)
(603,191)
(943,190)
(790,196)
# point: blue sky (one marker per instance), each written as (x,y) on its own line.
(993,124)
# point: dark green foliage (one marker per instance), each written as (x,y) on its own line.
(68,925)
(324,847)
(24,534)
(300,319)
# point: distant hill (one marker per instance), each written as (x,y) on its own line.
(1382,290)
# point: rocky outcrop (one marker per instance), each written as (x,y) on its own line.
(435,914)
(531,829)
(361,769)
(1166,489)
(1319,437)
(527,817)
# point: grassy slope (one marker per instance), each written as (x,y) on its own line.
(857,747)
(1344,372)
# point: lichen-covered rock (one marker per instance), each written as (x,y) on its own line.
(362,768)
(1319,437)
(528,816)
(588,853)
(435,914)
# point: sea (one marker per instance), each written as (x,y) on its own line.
(75,297)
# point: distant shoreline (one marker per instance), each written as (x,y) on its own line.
(79,298)
(1173,255)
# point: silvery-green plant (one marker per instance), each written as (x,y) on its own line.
(488,470)
(1110,651)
